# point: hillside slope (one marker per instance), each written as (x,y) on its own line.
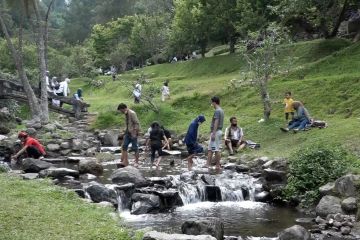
(324,74)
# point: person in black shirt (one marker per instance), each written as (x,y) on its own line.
(156,137)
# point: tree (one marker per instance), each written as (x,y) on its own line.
(262,63)
(32,10)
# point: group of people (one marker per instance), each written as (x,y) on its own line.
(159,139)
(298,122)
(165,91)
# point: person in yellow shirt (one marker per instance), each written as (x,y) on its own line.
(289,109)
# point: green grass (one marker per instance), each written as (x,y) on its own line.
(38,210)
(324,74)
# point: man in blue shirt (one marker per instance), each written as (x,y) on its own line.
(191,140)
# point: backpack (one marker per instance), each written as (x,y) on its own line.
(252,144)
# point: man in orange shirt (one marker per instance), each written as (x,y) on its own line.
(31,146)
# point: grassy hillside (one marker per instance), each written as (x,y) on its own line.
(324,74)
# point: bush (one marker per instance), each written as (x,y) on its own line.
(313,167)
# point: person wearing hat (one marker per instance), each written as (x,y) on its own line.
(190,140)
(31,146)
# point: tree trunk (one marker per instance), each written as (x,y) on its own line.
(32,100)
(42,64)
(232,43)
(339,20)
(265,98)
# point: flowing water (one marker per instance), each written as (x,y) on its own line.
(241,215)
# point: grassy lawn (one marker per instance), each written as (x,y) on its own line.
(324,74)
(39,210)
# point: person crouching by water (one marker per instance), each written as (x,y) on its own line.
(156,137)
(31,146)
(192,145)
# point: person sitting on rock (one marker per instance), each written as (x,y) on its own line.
(31,146)
(234,137)
(190,140)
(300,121)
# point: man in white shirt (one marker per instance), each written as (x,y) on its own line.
(234,137)
(63,89)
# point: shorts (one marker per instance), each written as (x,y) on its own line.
(127,140)
(194,148)
(235,143)
(214,146)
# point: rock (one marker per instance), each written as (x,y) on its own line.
(90,166)
(277,164)
(65,145)
(76,144)
(87,176)
(58,172)
(346,186)
(232,159)
(328,205)
(263,196)
(213,193)
(230,166)
(49,127)
(30,176)
(345,230)
(4,130)
(30,165)
(128,174)
(31,131)
(188,176)
(208,179)
(31,124)
(111,139)
(153,235)
(204,226)
(327,189)
(241,168)
(105,204)
(295,232)
(320,220)
(91,152)
(99,193)
(65,152)
(80,192)
(144,203)
(274,175)
(53,147)
(349,205)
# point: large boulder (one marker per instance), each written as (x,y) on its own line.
(349,205)
(110,139)
(90,166)
(295,232)
(213,193)
(328,205)
(272,175)
(153,235)
(327,189)
(204,226)
(145,203)
(346,186)
(53,147)
(128,174)
(76,144)
(99,193)
(58,172)
(30,165)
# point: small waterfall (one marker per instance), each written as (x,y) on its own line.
(191,193)
(121,200)
(229,195)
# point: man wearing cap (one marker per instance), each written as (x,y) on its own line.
(31,146)
(191,140)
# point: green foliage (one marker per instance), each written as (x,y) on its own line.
(313,166)
(108,119)
(51,212)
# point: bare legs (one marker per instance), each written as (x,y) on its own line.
(124,158)
(217,159)
(190,161)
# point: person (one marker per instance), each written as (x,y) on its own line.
(216,132)
(300,121)
(165,91)
(31,146)
(190,140)
(113,72)
(234,137)
(131,134)
(167,135)
(156,137)
(77,96)
(63,89)
(289,110)
(137,92)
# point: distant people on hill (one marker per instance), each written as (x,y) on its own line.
(113,72)
(64,89)
(192,145)
(289,109)
(137,92)
(131,134)
(165,91)
(300,121)
(234,137)
(157,136)
(216,132)
(31,147)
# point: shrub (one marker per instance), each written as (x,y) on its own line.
(313,167)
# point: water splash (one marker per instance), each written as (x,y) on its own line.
(190,193)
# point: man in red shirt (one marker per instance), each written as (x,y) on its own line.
(31,146)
